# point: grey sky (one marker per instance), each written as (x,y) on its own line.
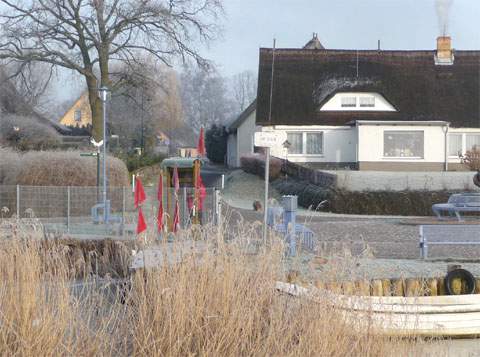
(349,24)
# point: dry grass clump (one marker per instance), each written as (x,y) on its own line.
(57,168)
(218,300)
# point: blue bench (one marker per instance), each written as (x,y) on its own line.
(458,203)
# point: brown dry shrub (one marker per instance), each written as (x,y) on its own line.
(58,168)
(255,164)
(472,158)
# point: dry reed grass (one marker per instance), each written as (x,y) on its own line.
(220,302)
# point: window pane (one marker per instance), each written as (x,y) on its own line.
(472,140)
(349,101)
(403,144)
(296,141)
(314,143)
(454,144)
(367,101)
(77,115)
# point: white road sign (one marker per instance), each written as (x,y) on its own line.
(268,139)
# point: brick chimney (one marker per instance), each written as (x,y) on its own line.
(444,55)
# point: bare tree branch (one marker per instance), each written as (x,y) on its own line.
(87,36)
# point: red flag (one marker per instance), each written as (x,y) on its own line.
(139,196)
(141,225)
(176,181)
(201,144)
(176,217)
(160,204)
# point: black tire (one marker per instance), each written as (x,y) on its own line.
(463,274)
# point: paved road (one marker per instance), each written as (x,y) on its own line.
(384,237)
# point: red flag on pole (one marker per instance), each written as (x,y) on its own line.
(176,217)
(139,196)
(141,225)
(201,144)
(176,181)
(160,204)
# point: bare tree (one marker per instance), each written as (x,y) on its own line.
(205,99)
(86,36)
(244,89)
(149,103)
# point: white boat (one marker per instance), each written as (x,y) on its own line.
(447,315)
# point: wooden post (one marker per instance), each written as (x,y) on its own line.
(362,288)
(377,288)
(412,287)
(387,287)
(348,287)
(398,287)
(432,287)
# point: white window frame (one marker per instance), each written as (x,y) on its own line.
(367,105)
(345,105)
(304,142)
(403,157)
(463,144)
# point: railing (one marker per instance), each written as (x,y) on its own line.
(68,209)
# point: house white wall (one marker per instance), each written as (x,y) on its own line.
(232,150)
(240,142)
(339,144)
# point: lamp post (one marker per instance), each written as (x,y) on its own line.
(103,95)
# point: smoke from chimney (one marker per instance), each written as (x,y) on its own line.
(443,9)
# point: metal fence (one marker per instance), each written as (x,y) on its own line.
(69,209)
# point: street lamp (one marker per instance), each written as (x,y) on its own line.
(103,95)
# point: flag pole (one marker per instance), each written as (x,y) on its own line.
(267,152)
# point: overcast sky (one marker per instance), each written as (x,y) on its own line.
(349,24)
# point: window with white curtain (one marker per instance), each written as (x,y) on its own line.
(367,102)
(403,144)
(314,143)
(296,143)
(455,146)
(349,102)
(471,141)
(305,143)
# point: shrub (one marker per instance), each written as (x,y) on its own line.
(472,158)
(135,162)
(58,168)
(216,143)
(255,164)
(406,203)
(25,133)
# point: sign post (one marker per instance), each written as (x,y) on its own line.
(267,140)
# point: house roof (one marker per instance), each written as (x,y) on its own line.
(304,79)
(243,116)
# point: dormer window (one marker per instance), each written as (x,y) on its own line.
(358,101)
(349,102)
(367,102)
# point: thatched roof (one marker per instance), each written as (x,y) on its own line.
(304,79)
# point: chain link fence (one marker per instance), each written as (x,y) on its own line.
(69,209)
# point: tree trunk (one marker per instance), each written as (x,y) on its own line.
(96,107)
